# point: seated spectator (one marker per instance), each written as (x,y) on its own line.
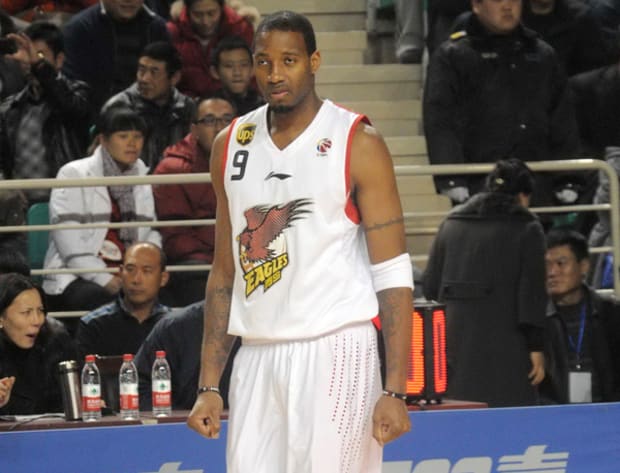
(11,76)
(232,66)
(190,245)
(121,136)
(103,44)
(166,112)
(44,126)
(582,336)
(121,326)
(573,31)
(202,24)
(180,336)
(31,346)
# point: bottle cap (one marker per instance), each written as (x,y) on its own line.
(127,357)
(160,354)
(89,358)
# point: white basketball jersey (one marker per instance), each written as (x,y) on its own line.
(301,261)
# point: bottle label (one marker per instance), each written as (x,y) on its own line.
(129,396)
(91,397)
(162,393)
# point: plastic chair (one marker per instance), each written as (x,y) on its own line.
(38,214)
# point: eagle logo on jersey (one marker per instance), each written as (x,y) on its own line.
(262,243)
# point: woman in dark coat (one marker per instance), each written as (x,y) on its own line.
(487,265)
(31,346)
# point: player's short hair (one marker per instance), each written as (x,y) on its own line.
(286,20)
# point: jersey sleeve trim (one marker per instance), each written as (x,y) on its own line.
(228,136)
(351,210)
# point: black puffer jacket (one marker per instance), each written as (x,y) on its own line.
(490,97)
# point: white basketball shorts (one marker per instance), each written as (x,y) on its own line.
(305,406)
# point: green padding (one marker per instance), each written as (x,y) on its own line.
(38,214)
(386,3)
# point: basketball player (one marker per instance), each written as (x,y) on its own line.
(309,248)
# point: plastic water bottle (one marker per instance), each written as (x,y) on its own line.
(91,390)
(128,382)
(162,388)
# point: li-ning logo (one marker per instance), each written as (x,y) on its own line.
(245,133)
(262,243)
(323,146)
(277,175)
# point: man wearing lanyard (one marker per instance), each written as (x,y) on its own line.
(582,346)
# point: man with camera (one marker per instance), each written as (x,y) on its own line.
(43,126)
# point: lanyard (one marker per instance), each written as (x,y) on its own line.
(576,347)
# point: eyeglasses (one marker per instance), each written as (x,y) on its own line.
(212,120)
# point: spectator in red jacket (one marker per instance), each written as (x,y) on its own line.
(199,28)
(190,245)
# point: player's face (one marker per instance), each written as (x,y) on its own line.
(213,116)
(498,16)
(124,146)
(235,70)
(204,16)
(284,69)
(564,273)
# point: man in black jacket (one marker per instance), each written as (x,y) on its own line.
(495,90)
(104,42)
(44,125)
(180,336)
(167,112)
(582,346)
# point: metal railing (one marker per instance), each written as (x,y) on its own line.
(542,166)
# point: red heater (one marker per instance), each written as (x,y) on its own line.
(427,377)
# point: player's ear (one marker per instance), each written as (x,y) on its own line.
(315,61)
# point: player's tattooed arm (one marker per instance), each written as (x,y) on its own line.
(217,343)
(394,310)
(381,225)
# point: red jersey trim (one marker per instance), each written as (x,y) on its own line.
(351,209)
(225,160)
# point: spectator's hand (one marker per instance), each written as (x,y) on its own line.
(114,285)
(26,53)
(6,385)
(537,373)
(205,415)
(457,195)
(390,419)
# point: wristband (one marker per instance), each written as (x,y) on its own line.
(402,397)
(208,389)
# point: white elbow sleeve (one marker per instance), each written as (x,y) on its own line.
(395,272)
